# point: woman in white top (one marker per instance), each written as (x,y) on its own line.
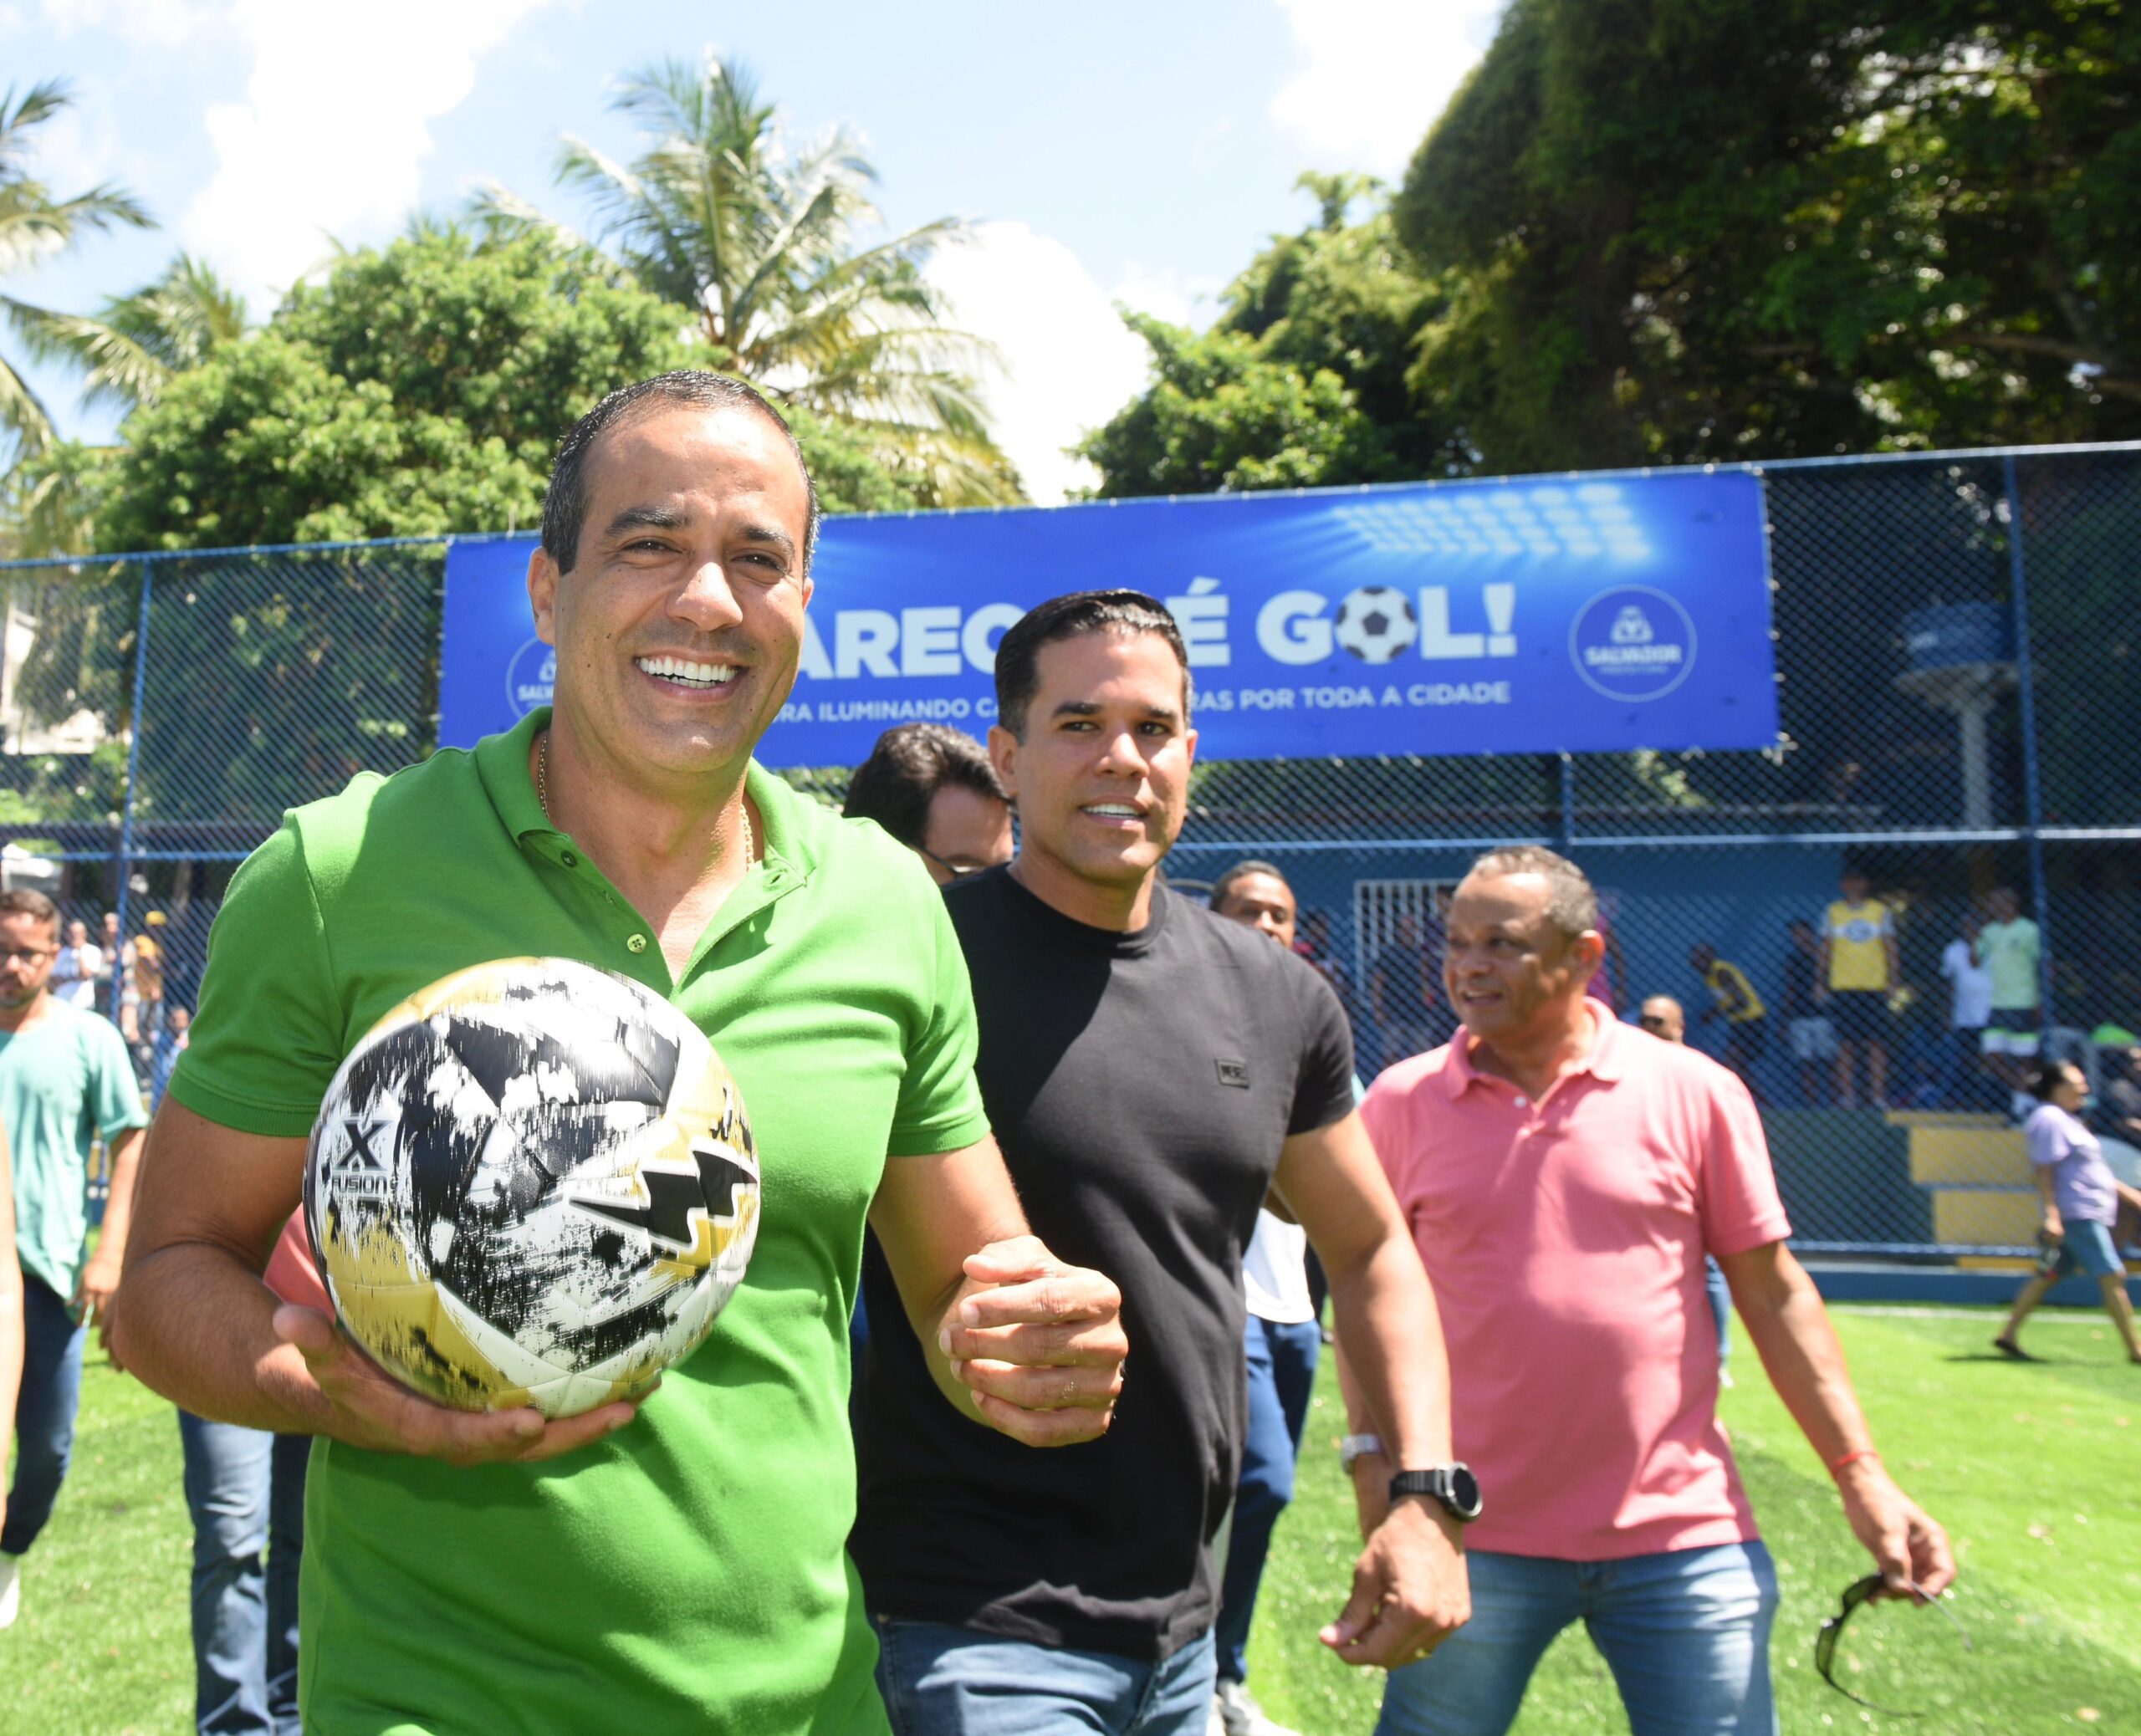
(2080,1203)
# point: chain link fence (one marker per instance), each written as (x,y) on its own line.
(1959,652)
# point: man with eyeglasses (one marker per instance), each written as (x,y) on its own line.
(932,787)
(65,1079)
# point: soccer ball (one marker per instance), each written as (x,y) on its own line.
(1375,623)
(531,1184)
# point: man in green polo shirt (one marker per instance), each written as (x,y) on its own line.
(498,1573)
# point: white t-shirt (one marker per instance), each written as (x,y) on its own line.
(1274,1272)
(74,974)
(1973,1008)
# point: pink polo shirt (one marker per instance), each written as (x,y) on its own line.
(1564,1240)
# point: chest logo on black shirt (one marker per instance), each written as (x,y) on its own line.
(1232,1073)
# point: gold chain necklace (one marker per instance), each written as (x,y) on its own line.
(543,796)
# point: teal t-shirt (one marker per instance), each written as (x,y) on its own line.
(63,1082)
(690,1572)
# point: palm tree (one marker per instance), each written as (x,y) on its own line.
(760,240)
(126,352)
(134,343)
(34,226)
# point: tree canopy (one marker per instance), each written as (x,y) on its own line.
(1677,231)
(421,388)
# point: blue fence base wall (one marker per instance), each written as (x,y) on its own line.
(1853,1281)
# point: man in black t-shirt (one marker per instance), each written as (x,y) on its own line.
(1151,1071)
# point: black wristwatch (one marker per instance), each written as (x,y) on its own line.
(1453,1486)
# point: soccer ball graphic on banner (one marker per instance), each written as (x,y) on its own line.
(1375,623)
(531,1184)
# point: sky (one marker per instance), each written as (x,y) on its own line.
(1104,154)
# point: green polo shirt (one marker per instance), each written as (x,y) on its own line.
(690,1571)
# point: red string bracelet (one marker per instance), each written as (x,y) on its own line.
(1852,1458)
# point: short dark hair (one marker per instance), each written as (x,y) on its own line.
(28,902)
(1240,871)
(1571,903)
(1126,614)
(564,502)
(2043,1078)
(910,763)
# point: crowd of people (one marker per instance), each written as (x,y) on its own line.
(1090,1129)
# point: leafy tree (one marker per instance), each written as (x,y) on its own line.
(34,226)
(421,388)
(1692,232)
(1301,380)
(717,215)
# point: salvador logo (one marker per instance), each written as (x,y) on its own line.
(530,676)
(1633,642)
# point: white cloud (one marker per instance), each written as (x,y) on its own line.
(1069,362)
(331,137)
(1377,73)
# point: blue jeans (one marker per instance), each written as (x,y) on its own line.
(1686,1634)
(1281,1362)
(45,1414)
(943,1681)
(1720,1307)
(245,1488)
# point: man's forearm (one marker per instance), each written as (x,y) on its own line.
(119,1199)
(1798,1346)
(197,1326)
(1389,1337)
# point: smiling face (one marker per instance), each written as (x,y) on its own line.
(678,628)
(1101,780)
(1511,975)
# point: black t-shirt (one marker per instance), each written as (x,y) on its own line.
(1141,1086)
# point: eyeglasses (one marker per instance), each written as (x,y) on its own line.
(957,871)
(1858,1592)
(25,955)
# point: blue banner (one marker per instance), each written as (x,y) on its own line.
(1584,615)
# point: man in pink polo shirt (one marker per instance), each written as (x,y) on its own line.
(1564,1175)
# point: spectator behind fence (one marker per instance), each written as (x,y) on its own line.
(1663,1017)
(1969,1009)
(1611,1492)
(149,980)
(1733,1000)
(1402,992)
(1813,1036)
(2009,947)
(1666,1019)
(932,787)
(1858,975)
(65,1079)
(1282,1348)
(77,967)
(2082,1199)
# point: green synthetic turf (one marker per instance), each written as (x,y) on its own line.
(2036,1470)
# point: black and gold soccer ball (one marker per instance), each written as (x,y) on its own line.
(533,1183)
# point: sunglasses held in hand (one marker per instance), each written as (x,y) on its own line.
(1861,1591)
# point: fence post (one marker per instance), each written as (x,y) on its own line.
(132,770)
(1567,829)
(2026,692)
